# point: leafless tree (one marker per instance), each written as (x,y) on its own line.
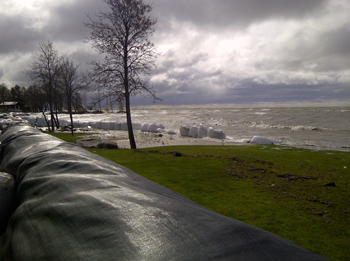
(123,35)
(44,71)
(4,93)
(72,81)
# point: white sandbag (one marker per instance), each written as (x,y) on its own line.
(7,198)
(136,126)
(184,130)
(261,140)
(193,132)
(41,122)
(31,121)
(111,125)
(216,133)
(105,125)
(118,126)
(124,126)
(63,123)
(153,127)
(92,124)
(171,132)
(144,127)
(160,130)
(202,131)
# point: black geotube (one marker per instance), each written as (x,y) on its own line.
(74,205)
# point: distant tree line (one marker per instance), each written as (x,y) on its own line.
(32,99)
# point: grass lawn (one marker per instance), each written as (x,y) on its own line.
(279,189)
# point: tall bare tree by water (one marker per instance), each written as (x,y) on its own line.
(123,35)
(45,71)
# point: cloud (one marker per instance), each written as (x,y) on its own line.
(212,51)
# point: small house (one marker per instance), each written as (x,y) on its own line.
(9,106)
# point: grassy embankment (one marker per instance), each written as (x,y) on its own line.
(278,189)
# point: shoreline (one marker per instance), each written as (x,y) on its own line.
(153,140)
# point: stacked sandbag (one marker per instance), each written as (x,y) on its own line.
(144,127)
(118,126)
(40,122)
(92,124)
(105,125)
(136,126)
(111,125)
(124,126)
(216,133)
(202,132)
(193,132)
(185,130)
(153,127)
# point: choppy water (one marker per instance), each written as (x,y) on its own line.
(321,128)
(310,127)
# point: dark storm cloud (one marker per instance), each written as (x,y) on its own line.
(15,35)
(232,14)
(212,51)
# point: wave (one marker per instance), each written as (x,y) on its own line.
(294,128)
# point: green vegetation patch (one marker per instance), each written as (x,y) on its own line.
(69,137)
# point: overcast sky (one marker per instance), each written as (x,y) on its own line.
(213,51)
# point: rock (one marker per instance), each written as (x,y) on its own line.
(177,154)
(332,184)
(97,143)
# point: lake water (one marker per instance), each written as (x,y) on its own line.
(309,127)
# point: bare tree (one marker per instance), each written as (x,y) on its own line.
(4,93)
(45,72)
(72,81)
(123,35)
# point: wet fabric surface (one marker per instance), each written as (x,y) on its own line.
(74,205)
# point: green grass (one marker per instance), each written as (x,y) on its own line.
(275,188)
(68,136)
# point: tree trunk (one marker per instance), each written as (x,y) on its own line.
(129,124)
(71,114)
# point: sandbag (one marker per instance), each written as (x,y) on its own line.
(105,125)
(136,126)
(145,127)
(111,125)
(118,126)
(75,205)
(216,134)
(171,132)
(202,132)
(152,127)
(124,126)
(184,130)
(193,132)
(261,140)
